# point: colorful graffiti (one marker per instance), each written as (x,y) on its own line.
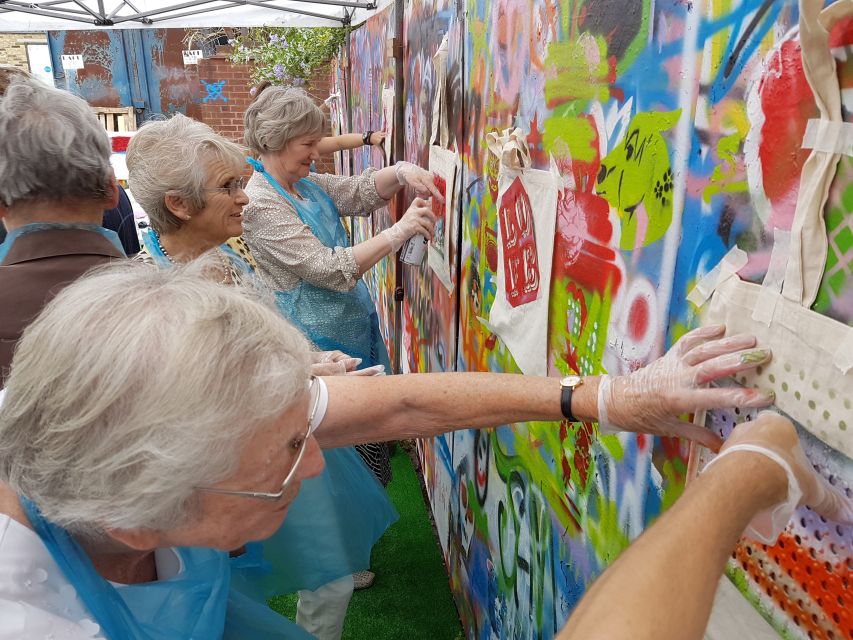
(676,128)
(372,71)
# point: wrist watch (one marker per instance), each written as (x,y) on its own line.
(365,138)
(567,386)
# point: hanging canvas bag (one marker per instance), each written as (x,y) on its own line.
(527,214)
(812,367)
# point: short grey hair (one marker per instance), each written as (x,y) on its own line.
(174,156)
(52,147)
(278,115)
(9,73)
(137,384)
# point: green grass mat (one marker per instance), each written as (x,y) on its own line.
(411,597)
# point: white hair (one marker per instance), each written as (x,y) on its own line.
(174,156)
(277,116)
(52,147)
(137,384)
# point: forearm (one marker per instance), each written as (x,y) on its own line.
(425,405)
(369,252)
(386,182)
(663,585)
(330,144)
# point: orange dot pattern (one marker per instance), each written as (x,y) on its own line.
(808,582)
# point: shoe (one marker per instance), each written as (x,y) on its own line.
(363,579)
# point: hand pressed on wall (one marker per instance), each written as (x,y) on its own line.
(647,400)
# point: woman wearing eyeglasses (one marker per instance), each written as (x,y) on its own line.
(154,420)
(188,180)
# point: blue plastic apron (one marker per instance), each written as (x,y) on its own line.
(344,320)
(198,603)
(6,245)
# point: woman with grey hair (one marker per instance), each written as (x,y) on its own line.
(55,182)
(293,227)
(188,179)
(117,508)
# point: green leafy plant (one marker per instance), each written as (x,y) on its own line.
(286,55)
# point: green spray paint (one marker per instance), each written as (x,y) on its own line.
(636,178)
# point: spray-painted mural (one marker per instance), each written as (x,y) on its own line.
(372,69)
(676,129)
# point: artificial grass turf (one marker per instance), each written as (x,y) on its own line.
(411,596)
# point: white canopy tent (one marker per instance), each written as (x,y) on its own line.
(49,15)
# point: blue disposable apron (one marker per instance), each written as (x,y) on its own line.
(198,603)
(344,320)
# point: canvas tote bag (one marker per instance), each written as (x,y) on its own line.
(527,217)
(812,367)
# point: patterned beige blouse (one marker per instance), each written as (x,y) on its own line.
(285,248)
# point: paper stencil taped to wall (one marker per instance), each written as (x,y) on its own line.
(444,164)
(72,62)
(192,56)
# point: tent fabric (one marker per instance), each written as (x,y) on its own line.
(49,15)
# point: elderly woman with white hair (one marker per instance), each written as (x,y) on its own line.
(154,420)
(293,227)
(187,177)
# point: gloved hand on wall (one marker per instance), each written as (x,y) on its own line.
(775,438)
(332,363)
(418,220)
(648,399)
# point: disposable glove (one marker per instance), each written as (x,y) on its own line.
(650,399)
(418,220)
(332,363)
(775,437)
(421,180)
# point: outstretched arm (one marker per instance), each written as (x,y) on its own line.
(330,144)
(663,585)
(648,400)
(424,405)
(675,566)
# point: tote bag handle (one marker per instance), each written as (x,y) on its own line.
(808,248)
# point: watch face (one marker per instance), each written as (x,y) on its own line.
(571,381)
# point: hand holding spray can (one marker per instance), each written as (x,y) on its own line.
(413,250)
(415,247)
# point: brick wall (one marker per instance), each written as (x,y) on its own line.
(225,112)
(13,47)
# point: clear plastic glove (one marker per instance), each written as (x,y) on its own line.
(775,437)
(650,399)
(418,220)
(421,180)
(375,370)
(332,363)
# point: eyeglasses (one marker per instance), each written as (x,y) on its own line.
(299,445)
(233,188)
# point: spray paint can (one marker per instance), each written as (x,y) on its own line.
(413,250)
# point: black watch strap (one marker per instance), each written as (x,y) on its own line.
(566,404)
(366,137)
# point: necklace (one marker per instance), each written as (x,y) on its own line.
(227,278)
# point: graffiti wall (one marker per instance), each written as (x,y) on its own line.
(372,69)
(674,130)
